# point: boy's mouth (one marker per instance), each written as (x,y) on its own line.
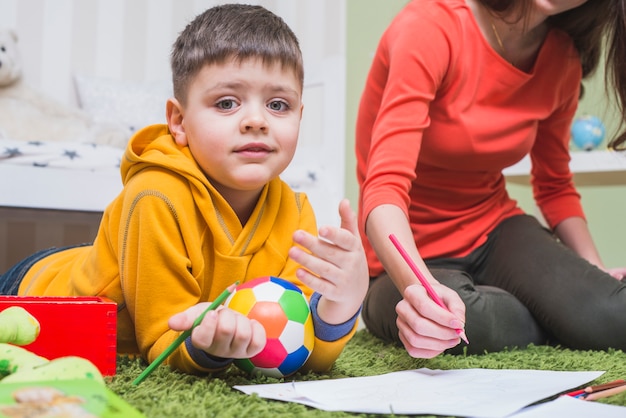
(254,148)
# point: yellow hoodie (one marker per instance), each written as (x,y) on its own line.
(170,241)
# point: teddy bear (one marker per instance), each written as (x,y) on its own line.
(29,115)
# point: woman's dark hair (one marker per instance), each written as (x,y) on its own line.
(594,26)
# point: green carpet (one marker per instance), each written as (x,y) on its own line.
(170,394)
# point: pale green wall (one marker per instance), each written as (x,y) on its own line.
(605,206)
(367,19)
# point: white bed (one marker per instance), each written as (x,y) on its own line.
(61,203)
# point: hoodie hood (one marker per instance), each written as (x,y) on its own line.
(154,146)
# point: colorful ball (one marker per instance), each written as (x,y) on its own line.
(284,312)
(587,132)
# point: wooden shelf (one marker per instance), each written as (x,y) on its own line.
(590,168)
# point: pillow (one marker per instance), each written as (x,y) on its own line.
(131,104)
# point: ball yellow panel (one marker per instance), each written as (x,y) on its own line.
(309,333)
(242,301)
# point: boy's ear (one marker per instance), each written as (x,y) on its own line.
(175,115)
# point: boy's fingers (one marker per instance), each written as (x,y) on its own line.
(348,217)
(184,320)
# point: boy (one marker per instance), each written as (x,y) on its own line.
(203,207)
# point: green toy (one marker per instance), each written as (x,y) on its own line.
(14,359)
(17,364)
(62,368)
(20,365)
(18,326)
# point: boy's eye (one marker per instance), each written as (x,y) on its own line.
(278,105)
(226,104)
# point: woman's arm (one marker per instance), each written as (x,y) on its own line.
(390,219)
(574,233)
(425,328)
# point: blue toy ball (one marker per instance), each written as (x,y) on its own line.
(587,132)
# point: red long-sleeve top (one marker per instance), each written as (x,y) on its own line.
(442,114)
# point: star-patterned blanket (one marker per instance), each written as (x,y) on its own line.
(306,173)
(71,155)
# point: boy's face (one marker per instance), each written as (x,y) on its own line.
(241,123)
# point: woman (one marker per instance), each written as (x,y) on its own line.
(458,91)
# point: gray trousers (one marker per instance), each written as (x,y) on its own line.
(522,286)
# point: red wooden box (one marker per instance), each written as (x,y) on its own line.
(72,326)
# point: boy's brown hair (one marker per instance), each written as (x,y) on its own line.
(233,31)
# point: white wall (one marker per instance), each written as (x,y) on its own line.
(131,40)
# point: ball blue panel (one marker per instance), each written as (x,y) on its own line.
(284,283)
(294,361)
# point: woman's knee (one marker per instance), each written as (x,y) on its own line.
(496,320)
(598,325)
(379,309)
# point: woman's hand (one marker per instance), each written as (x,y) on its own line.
(618,272)
(425,328)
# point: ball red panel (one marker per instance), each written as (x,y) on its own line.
(253,283)
(272,355)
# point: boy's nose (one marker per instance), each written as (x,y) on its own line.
(254,121)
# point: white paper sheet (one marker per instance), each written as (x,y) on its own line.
(484,393)
(566,406)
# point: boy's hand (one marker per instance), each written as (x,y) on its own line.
(336,267)
(222,333)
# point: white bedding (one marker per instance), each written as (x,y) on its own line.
(53,154)
(86,177)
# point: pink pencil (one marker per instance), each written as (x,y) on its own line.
(431,292)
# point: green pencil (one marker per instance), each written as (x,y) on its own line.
(182,337)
